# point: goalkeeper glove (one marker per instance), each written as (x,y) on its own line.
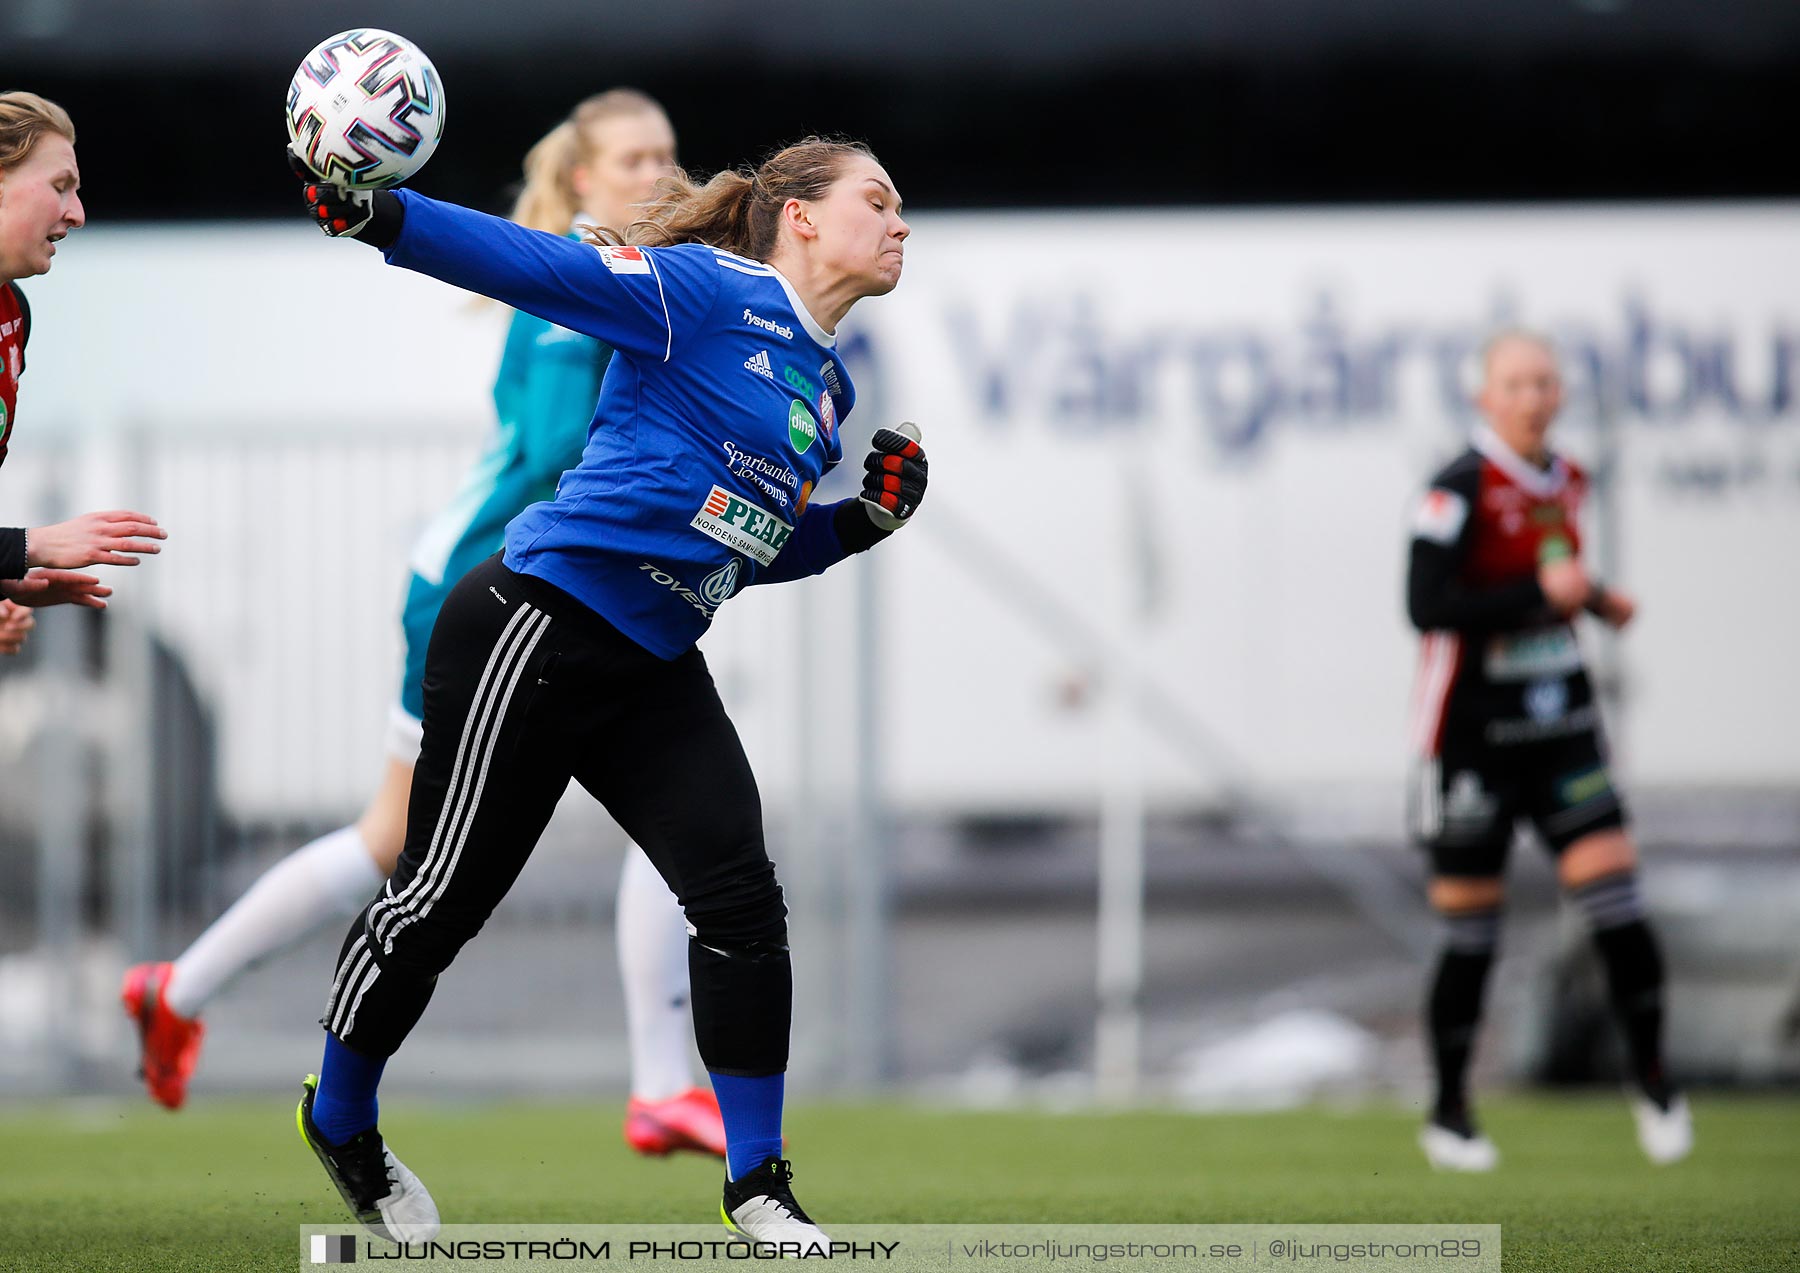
(894,476)
(368,216)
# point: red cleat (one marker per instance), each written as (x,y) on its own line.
(171,1044)
(688,1121)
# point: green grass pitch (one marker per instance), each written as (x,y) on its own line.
(100,1186)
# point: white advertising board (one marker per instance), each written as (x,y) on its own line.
(1194,438)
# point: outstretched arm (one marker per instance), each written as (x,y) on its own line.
(634,299)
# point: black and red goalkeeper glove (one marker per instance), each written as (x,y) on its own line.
(368,216)
(894,476)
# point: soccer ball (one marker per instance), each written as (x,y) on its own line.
(365,109)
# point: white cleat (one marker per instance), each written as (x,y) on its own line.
(380,1190)
(407,1213)
(761,1206)
(1450,1150)
(1665,1135)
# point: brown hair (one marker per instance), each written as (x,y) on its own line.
(548,200)
(740,209)
(24,119)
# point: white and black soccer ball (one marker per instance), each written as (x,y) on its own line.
(365,109)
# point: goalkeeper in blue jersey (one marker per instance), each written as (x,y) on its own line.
(591,169)
(572,654)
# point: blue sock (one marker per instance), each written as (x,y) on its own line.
(344,1103)
(751,1108)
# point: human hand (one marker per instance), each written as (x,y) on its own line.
(1565,585)
(94,539)
(371,216)
(894,476)
(55,588)
(1614,608)
(16,623)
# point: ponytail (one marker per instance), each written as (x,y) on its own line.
(738,210)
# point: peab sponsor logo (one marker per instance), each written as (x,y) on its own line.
(802,428)
(624,260)
(768,325)
(741,526)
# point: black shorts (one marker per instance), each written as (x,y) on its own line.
(1464,803)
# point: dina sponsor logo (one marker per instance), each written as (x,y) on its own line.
(802,428)
(768,325)
(741,526)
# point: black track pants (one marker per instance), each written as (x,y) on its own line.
(525,687)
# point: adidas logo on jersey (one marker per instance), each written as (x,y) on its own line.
(760,364)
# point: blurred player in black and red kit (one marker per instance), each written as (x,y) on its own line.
(1505,727)
(39,205)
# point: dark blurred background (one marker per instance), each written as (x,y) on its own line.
(1002,103)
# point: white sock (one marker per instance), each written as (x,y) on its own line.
(653,961)
(330,879)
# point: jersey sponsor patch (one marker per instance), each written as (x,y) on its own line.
(1547,700)
(1441,516)
(777,481)
(801,427)
(1532,656)
(741,526)
(663,579)
(624,260)
(769,325)
(716,588)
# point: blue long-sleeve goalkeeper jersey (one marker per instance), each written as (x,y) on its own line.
(717,417)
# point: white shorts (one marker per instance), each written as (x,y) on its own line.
(405,735)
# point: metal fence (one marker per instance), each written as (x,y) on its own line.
(231,704)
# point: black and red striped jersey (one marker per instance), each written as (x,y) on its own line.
(1495,660)
(15,328)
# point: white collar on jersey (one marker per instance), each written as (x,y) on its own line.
(1540,482)
(818,333)
(757,269)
